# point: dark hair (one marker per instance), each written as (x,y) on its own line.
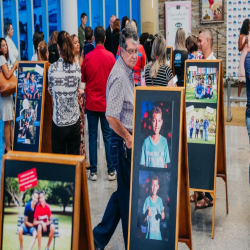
(27,72)
(53,53)
(155,178)
(37,38)
(245,27)
(191,44)
(66,47)
(135,23)
(209,76)
(116,25)
(7,27)
(156,110)
(1,53)
(88,33)
(83,15)
(36,192)
(42,192)
(99,34)
(53,38)
(124,20)
(143,38)
(127,33)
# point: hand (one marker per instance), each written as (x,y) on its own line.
(44,227)
(149,212)
(128,141)
(82,54)
(163,214)
(80,91)
(49,91)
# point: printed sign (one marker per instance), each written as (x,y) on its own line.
(27,179)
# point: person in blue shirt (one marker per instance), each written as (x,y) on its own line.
(191,127)
(27,227)
(88,44)
(25,86)
(206,125)
(199,90)
(155,151)
(247,71)
(153,211)
(33,87)
(197,128)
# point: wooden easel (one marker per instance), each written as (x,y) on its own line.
(220,150)
(171,59)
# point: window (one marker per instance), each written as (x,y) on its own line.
(83,7)
(96,13)
(136,13)
(23,29)
(110,9)
(38,22)
(52,8)
(123,9)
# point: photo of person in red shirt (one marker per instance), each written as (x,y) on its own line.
(42,219)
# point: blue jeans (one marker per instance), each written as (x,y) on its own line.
(248,127)
(191,133)
(93,119)
(206,134)
(118,205)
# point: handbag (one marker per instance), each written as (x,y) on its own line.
(7,87)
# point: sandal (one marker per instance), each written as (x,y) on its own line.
(204,203)
(199,196)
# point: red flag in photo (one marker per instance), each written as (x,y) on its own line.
(27,179)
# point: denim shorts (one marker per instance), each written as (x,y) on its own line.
(28,230)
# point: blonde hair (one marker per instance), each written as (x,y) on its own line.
(180,39)
(132,25)
(158,55)
(53,38)
(42,51)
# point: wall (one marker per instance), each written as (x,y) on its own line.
(197,26)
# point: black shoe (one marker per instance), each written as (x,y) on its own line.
(5,151)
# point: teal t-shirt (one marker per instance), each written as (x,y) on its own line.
(153,228)
(155,155)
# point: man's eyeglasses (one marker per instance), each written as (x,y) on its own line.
(132,52)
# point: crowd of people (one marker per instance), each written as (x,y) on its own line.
(95,73)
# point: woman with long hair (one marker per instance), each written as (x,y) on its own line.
(243,45)
(114,39)
(64,77)
(42,51)
(76,44)
(125,20)
(180,55)
(192,48)
(52,47)
(157,73)
(6,103)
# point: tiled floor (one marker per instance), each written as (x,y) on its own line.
(232,231)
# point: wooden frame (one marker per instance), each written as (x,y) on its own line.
(183,230)
(81,201)
(171,58)
(220,148)
(45,69)
(214,8)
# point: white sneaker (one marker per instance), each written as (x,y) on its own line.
(92,176)
(112,176)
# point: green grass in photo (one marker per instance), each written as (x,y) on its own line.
(211,139)
(190,97)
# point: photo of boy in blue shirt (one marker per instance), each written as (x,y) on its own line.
(199,90)
(155,152)
(153,211)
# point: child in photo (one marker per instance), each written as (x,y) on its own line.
(191,127)
(201,128)
(25,86)
(153,211)
(199,90)
(155,151)
(197,128)
(33,87)
(206,125)
(209,88)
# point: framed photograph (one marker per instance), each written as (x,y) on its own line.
(40,201)
(29,108)
(211,11)
(154,176)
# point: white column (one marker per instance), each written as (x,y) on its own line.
(69,16)
(1,19)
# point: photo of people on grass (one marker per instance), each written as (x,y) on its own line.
(27,121)
(156,134)
(201,84)
(30,82)
(201,125)
(153,205)
(39,217)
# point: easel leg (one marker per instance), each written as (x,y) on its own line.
(195,200)
(226,195)
(213,219)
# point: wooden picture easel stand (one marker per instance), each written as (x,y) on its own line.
(220,151)
(171,59)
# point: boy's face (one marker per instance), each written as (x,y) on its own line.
(42,198)
(157,123)
(155,187)
(32,78)
(35,197)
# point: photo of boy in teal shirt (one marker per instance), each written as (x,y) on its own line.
(155,152)
(153,211)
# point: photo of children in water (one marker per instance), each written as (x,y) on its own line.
(30,82)
(156,134)
(153,205)
(201,84)
(201,125)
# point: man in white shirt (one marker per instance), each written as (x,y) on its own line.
(205,44)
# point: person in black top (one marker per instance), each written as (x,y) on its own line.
(180,55)
(157,73)
(125,19)
(109,32)
(115,36)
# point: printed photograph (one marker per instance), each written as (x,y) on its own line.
(30,82)
(153,205)
(27,121)
(37,214)
(201,125)
(211,11)
(201,84)
(156,134)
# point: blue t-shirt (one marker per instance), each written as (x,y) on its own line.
(197,125)
(247,71)
(88,47)
(206,124)
(26,85)
(199,89)
(155,155)
(29,212)
(33,87)
(153,227)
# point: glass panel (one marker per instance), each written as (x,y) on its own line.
(37,5)
(23,29)
(52,7)
(123,7)
(110,9)
(7,12)
(136,14)
(83,7)
(97,13)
